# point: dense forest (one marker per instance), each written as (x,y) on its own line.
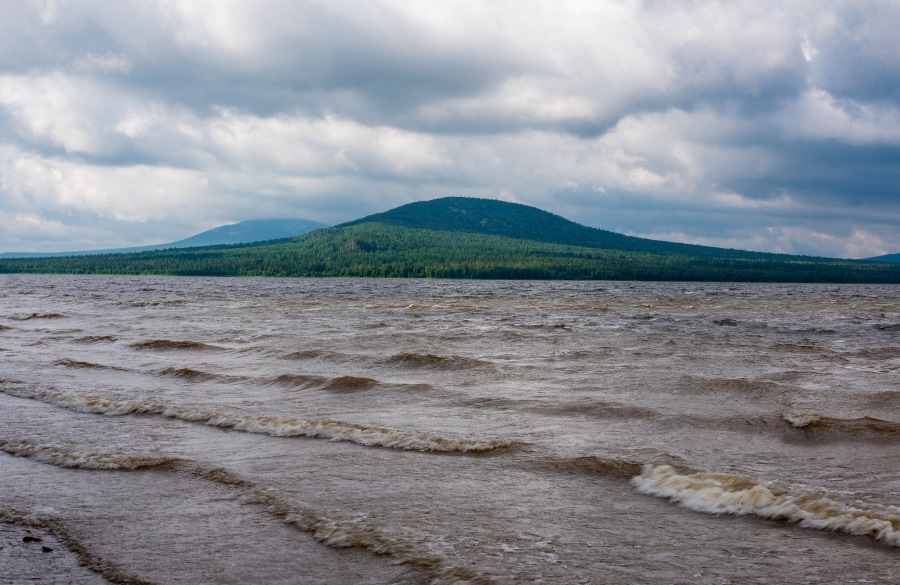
(470,238)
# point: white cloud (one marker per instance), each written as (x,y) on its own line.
(633,115)
(124,193)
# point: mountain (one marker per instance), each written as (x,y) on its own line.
(514,220)
(244,232)
(885,258)
(459,237)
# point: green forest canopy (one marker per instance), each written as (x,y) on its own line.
(458,237)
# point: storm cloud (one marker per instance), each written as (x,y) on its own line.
(759,125)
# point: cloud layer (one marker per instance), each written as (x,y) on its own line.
(758,125)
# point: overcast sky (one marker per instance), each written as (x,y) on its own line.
(761,125)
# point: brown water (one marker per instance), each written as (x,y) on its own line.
(188,430)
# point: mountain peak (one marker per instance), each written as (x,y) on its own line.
(515,220)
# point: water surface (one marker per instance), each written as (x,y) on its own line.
(192,430)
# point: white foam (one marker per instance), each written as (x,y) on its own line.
(721,493)
(369,436)
(61,457)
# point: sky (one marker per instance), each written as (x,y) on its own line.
(760,125)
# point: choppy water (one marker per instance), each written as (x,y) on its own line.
(181,430)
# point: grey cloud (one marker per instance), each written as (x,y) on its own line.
(687,119)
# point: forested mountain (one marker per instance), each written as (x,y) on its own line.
(245,232)
(471,238)
(514,220)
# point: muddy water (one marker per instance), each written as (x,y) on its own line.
(186,430)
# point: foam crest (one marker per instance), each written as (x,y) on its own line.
(61,457)
(722,493)
(368,436)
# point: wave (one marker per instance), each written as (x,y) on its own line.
(86,558)
(603,410)
(435,361)
(60,457)
(300,381)
(30,316)
(617,468)
(190,374)
(349,384)
(864,426)
(304,355)
(744,387)
(339,385)
(66,362)
(275,426)
(335,533)
(734,494)
(167,344)
(97,339)
(722,493)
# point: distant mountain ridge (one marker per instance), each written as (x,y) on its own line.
(245,232)
(469,238)
(885,258)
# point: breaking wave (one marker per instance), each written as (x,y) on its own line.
(275,426)
(60,457)
(722,493)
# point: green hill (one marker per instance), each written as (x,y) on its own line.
(514,220)
(471,238)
